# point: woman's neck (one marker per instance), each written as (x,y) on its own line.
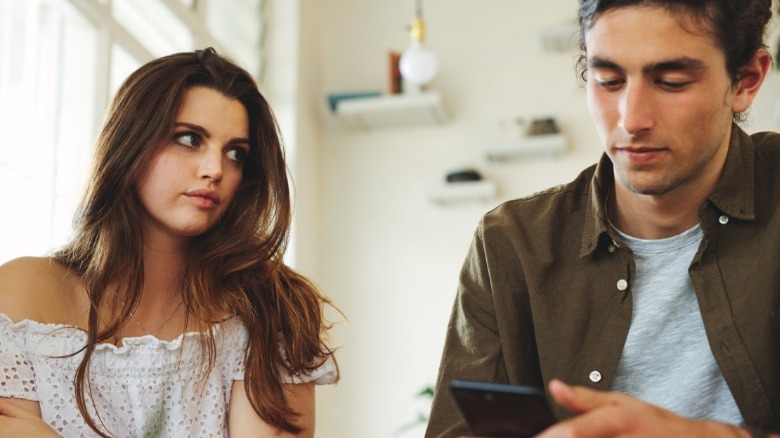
(159,310)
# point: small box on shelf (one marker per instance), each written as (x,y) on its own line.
(336,99)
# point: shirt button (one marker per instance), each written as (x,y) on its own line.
(723,219)
(622,284)
(595,376)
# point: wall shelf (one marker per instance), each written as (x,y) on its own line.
(463,191)
(532,145)
(394,110)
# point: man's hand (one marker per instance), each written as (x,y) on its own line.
(610,414)
(18,422)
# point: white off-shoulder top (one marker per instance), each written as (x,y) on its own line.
(145,388)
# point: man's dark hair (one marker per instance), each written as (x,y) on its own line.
(736,25)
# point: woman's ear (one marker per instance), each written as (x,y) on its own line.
(749,80)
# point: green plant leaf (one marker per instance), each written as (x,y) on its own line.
(426,392)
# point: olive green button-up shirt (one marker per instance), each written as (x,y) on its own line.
(545,291)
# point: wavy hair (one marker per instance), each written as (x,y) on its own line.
(235,268)
(737,26)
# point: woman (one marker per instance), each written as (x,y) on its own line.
(170,313)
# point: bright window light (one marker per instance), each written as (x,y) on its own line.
(47,106)
(122,64)
(154,25)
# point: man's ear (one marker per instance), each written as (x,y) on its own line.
(749,80)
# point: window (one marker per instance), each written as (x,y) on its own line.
(60,61)
(155,26)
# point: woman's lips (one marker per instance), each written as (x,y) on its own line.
(203,198)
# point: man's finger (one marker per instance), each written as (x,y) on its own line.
(600,423)
(578,399)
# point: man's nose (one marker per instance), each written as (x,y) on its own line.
(636,111)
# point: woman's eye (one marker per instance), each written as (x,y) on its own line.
(187,139)
(237,154)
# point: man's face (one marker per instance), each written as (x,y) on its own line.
(661,99)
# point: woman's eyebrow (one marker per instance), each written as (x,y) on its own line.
(205,132)
(197,128)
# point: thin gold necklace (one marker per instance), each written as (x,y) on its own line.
(167,320)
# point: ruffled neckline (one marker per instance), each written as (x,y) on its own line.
(129,343)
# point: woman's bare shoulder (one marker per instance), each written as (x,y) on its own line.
(36,288)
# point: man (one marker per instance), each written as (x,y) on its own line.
(651,281)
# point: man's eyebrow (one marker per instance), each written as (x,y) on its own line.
(205,132)
(598,62)
(678,64)
(683,63)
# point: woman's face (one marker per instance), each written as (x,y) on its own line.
(192,180)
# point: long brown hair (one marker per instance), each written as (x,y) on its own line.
(235,268)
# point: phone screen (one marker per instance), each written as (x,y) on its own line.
(500,410)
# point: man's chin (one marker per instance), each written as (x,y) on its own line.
(647,186)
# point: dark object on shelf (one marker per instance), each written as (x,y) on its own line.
(543,126)
(463,175)
(395,85)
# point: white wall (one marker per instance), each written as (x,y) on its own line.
(389,258)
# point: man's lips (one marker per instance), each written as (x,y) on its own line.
(641,153)
(203,197)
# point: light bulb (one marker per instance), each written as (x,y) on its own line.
(418,65)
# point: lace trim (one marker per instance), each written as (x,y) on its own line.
(140,355)
(28,326)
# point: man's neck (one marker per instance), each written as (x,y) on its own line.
(655,216)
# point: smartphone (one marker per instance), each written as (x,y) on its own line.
(500,410)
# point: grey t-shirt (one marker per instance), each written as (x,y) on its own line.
(667,360)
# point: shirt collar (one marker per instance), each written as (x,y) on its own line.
(596,213)
(733,193)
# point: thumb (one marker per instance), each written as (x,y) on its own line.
(578,399)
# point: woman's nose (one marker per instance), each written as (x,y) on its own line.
(210,166)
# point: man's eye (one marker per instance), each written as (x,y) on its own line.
(673,85)
(609,84)
(237,154)
(187,139)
